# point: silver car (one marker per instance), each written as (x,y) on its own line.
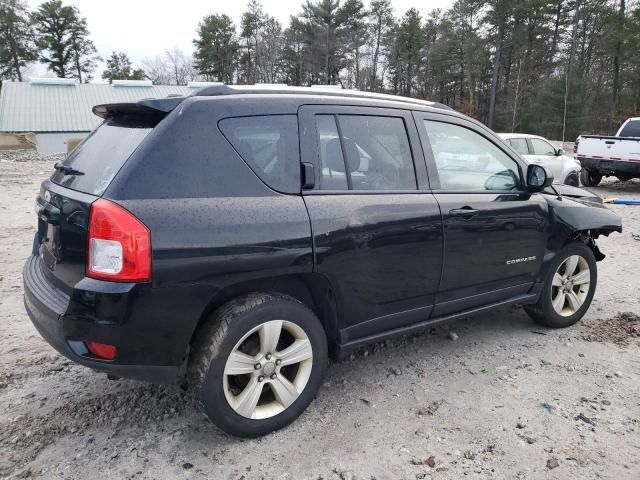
(535,149)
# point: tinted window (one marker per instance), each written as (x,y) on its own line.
(377,153)
(332,168)
(101,155)
(631,129)
(520,145)
(540,147)
(269,144)
(466,160)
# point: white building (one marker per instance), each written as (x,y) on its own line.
(55,110)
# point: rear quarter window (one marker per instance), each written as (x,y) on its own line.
(269,145)
(103,153)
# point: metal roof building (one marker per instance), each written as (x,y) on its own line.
(56,110)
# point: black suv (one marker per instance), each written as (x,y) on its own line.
(239,236)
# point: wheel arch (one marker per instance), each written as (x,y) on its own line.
(312,289)
(572,174)
(566,236)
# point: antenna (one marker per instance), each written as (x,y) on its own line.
(566,95)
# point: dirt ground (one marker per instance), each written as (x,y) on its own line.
(504,399)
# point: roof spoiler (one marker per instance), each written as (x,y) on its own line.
(148,106)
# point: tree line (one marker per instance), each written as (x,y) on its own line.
(552,67)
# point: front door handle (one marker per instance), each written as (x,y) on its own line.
(464,212)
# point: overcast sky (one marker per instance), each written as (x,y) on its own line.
(145,28)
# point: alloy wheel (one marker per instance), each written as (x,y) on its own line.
(268,369)
(570,285)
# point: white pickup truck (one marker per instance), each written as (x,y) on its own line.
(617,156)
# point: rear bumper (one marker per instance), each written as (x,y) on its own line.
(50,311)
(610,167)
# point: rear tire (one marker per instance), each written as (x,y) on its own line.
(258,363)
(568,288)
(590,178)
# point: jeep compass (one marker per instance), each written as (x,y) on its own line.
(240,236)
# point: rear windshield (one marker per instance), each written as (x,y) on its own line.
(101,155)
(632,129)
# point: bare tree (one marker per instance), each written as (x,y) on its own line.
(157,70)
(181,66)
(173,67)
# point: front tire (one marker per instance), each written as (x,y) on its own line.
(568,288)
(589,178)
(259,364)
(572,180)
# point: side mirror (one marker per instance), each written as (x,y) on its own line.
(559,152)
(538,178)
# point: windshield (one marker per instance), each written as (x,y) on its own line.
(93,164)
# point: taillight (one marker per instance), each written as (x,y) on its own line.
(119,245)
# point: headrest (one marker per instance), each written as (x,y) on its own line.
(333,155)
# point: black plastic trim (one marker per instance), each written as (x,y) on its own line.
(347,347)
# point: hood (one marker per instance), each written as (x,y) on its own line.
(581,210)
(574,193)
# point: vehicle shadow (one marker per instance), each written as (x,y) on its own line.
(164,419)
(615,185)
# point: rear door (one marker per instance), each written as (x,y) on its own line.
(377,230)
(65,199)
(494,232)
(521,146)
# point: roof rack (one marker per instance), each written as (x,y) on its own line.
(258,89)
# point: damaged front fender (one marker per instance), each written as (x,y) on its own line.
(579,216)
(584,216)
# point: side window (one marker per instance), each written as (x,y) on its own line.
(332,168)
(520,145)
(466,160)
(269,144)
(631,129)
(378,155)
(540,147)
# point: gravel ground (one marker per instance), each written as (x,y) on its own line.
(493,396)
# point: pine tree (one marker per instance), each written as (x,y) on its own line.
(216,48)
(353,20)
(250,29)
(120,67)
(63,39)
(17,48)
(293,53)
(323,29)
(380,21)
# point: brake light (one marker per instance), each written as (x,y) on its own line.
(119,245)
(101,350)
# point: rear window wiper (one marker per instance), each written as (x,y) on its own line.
(67,170)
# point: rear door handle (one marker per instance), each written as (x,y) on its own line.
(464,212)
